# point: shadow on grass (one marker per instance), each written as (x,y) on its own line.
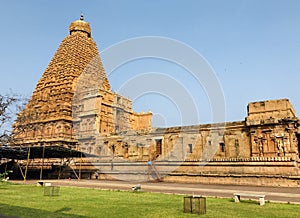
(247,201)
(4,185)
(63,210)
(9,211)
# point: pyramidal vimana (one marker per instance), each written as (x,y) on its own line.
(74,107)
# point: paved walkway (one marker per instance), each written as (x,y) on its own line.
(273,194)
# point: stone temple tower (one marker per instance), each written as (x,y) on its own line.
(48,118)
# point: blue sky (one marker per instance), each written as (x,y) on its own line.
(252,46)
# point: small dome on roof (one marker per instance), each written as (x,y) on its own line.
(81,26)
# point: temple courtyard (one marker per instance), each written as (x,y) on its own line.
(94,198)
(273,194)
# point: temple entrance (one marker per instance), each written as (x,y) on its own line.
(158,147)
(125,147)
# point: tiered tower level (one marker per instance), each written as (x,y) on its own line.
(48,118)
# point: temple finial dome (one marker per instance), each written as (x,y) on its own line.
(80,26)
(81,16)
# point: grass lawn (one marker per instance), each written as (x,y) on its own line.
(29,201)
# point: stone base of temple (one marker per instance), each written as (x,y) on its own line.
(253,180)
(258,171)
(262,172)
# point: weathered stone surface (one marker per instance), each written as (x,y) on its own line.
(73,105)
(49,115)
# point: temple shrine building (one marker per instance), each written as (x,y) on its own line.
(73,106)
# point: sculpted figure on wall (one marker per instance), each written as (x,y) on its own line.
(258,143)
(260,146)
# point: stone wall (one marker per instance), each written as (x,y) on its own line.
(73,106)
